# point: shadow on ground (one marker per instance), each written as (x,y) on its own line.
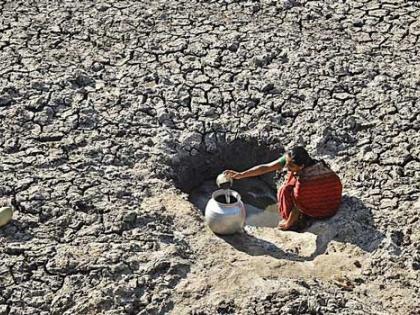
(16,231)
(254,246)
(352,224)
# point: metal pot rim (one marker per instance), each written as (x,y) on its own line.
(221,192)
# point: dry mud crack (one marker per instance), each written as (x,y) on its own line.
(112,112)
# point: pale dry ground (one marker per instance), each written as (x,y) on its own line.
(107,106)
(252,263)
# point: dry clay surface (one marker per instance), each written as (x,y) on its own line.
(111,112)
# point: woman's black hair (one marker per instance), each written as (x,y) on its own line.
(300,157)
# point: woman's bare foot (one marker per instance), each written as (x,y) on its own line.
(284,226)
(291,220)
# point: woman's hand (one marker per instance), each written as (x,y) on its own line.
(232,174)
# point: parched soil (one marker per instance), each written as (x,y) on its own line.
(112,113)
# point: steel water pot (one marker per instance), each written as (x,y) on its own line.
(222,216)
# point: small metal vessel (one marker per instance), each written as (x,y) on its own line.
(225,212)
(223,181)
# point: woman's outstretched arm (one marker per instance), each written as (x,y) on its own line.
(257,170)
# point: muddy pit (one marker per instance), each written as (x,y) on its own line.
(258,194)
(258,197)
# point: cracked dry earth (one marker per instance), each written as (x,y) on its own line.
(112,112)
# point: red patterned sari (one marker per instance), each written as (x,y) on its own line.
(315,191)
